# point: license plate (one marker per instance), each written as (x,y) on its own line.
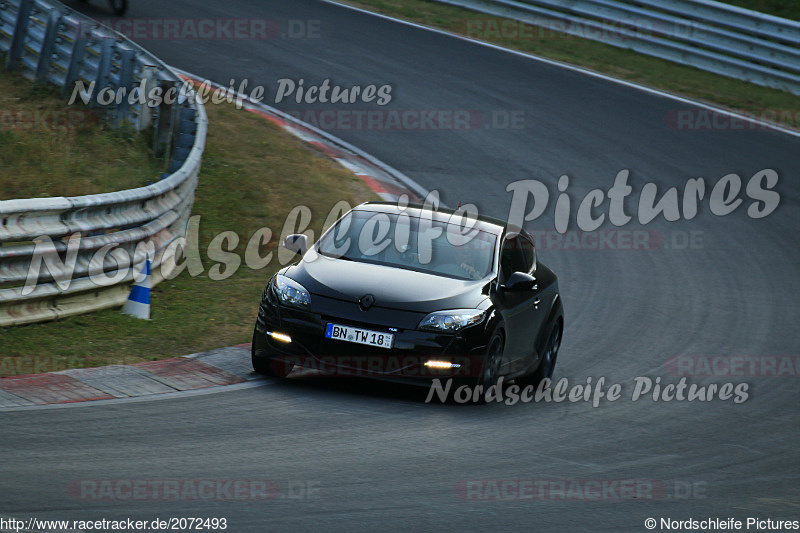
(359,336)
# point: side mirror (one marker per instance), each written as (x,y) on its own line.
(297,243)
(520,281)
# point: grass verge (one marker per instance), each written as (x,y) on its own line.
(620,63)
(780,8)
(50,149)
(253,174)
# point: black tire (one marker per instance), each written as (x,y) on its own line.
(490,371)
(549,358)
(119,7)
(262,363)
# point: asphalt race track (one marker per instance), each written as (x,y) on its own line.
(360,456)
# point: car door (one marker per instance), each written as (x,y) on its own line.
(521,310)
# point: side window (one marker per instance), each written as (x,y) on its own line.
(516,256)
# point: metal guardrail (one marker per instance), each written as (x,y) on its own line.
(50,43)
(708,35)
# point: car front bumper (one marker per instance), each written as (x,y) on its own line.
(411,356)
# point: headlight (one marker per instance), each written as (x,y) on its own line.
(453,320)
(290,292)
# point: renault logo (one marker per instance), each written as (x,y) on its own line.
(366,301)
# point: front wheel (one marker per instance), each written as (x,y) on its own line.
(490,370)
(119,7)
(548,363)
(491,365)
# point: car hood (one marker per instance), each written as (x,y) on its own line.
(393,288)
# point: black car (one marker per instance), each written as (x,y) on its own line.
(413,294)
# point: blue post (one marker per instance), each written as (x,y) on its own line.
(104,67)
(75,63)
(138,303)
(46,54)
(20,32)
(125,80)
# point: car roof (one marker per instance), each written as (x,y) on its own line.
(442,214)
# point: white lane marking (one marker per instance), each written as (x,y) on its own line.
(582,70)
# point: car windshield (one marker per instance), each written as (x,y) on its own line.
(420,244)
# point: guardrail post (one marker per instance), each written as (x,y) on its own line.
(104,67)
(145,118)
(75,63)
(20,32)
(165,117)
(125,81)
(45,56)
(184,137)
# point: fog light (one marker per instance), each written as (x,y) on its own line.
(279,336)
(441,364)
